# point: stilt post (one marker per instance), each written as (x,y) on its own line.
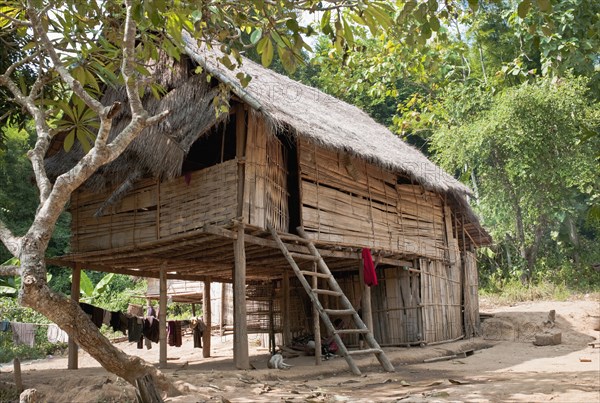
(75,290)
(162,319)
(240,329)
(207,317)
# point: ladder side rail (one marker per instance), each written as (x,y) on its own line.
(369,338)
(316,301)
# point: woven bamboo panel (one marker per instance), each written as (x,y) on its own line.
(441,293)
(255,208)
(265,190)
(276,186)
(347,201)
(471,297)
(174,206)
(208,198)
(130,222)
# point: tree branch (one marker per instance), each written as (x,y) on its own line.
(19,63)
(131,84)
(47,45)
(15,21)
(9,271)
(12,243)
(43,136)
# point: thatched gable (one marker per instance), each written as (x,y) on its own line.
(159,150)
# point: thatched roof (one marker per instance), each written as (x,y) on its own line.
(325,120)
(297,108)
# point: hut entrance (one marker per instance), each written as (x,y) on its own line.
(293,181)
(216,146)
(397,307)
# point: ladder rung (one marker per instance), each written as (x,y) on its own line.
(304,256)
(351,331)
(327,292)
(366,351)
(314,273)
(340,311)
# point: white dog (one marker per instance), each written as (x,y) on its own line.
(276,362)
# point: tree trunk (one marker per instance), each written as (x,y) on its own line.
(574,238)
(36,294)
(531,252)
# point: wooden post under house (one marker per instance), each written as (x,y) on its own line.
(75,290)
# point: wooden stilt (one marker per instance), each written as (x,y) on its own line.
(162,319)
(207,317)
(240,330)
(75,290)
(287,334)
(223,307)
(194,310)
(17,374)
(316,321)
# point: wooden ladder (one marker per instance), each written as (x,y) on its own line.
(334,290)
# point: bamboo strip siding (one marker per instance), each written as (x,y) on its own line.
(209,198)
(471,298)
(265,192)
(441,301)
(348,202)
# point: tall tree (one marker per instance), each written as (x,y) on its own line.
(531,166)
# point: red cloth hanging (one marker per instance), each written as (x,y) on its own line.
(369,275)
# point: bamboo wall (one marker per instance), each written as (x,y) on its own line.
(441,294)
(152,210)
(348,201)
(265,189)
(471,297)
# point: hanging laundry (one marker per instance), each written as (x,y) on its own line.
(118,322)
(150,311)
(370,277)
(151,329)
(23,333)
(198,328)
(87,308)
(106,316)
(174,333)
(134,328)
(4,326)
(56,334)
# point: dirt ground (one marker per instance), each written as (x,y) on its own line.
(504,366)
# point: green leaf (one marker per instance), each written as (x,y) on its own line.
(256,35)
(7,290)
(103,284)
(474,4)
(85,285)
(348,32)
(326,20)
(69,141)
(523,8)
(267,53)
(544,5)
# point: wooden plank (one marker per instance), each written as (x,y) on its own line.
(316,321)
(240,340)
(162,318)
(73,359)
(207,318)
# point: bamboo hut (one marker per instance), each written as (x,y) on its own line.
(213,198)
